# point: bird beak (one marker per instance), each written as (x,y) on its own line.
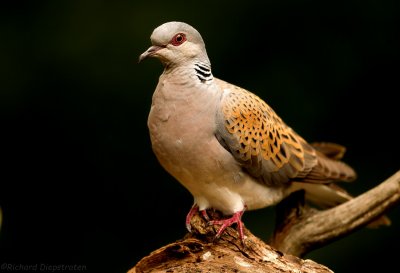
(150,52)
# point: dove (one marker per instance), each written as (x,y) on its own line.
(225,144)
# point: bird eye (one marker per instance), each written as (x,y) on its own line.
(178,39)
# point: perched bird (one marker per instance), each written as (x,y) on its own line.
(225,144)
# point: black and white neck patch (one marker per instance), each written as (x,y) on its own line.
(203,72)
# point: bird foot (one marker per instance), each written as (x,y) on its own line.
(236,218)
(191,213)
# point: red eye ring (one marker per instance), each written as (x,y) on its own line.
(178,39)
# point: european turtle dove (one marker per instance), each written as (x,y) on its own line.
(224,143)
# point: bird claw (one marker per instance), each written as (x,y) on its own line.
(235,219)
(189,228)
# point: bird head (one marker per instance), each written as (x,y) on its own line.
(175,43)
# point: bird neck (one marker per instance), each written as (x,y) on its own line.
(195,72)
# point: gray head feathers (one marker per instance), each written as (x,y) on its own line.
(163,34)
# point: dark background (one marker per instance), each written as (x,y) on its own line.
(79,182)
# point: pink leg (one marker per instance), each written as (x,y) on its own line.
(190,215)
(236,218)
(205,215)
(192,212)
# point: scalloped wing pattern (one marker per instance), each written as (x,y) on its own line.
(266,147)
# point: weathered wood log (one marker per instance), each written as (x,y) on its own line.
(200,252)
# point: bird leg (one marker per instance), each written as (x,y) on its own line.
(192,212)
(236,218)
(189,216)
(205,215)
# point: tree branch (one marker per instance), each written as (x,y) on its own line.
(305,229)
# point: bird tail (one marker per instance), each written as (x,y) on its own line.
(329,149)
(329,166)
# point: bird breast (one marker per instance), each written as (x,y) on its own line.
(182,125)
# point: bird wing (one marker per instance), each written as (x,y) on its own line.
(265,146)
